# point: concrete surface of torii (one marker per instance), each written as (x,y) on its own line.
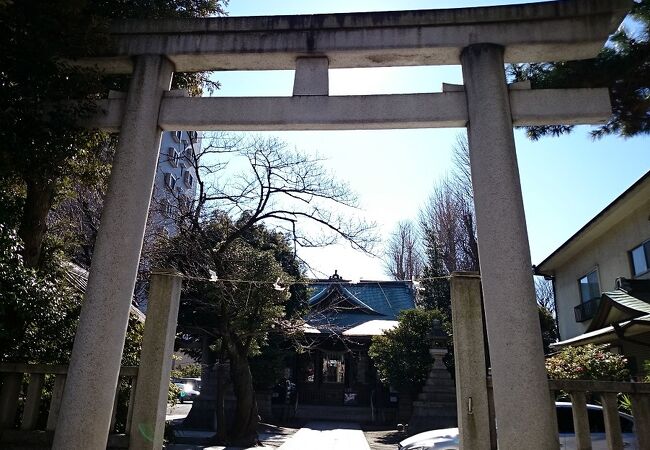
(480,39)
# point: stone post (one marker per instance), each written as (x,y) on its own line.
(9,394)
(641,413)
(148,423)
(311,76)
(469,361)
(613,435)
(85,416)
(521,396)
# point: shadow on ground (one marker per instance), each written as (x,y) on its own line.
(382,438)
(270,436)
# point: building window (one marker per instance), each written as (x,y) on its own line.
(333,368)
(177,135)
(188,179)
(589,297)
(173,156)
(640,259)
(589,286)
(167,208)
(170,181)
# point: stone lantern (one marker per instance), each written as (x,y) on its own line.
(435,406)
(439,342)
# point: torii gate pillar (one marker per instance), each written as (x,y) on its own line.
(87,403)
(521,394)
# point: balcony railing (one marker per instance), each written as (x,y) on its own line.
(587,310)
(30,400)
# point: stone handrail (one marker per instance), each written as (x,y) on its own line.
(27,430)
(607,391)
(616,387)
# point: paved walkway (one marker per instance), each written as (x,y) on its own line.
(327,436)
(313,436)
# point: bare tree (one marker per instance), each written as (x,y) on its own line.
(403,258)
(448,216)
(260,180)
(544,294)
(246,185)
(461,176)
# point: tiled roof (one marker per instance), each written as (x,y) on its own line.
(608,334)
(364,301)
(77,278)
(630,300)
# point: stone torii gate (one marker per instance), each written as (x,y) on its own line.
(480,39)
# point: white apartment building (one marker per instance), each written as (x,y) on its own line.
(175,182)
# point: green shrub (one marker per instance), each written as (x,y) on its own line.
(173,394)
(587,362)
(38,314)
(188,371)
(401,355)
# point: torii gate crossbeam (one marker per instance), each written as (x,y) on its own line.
(480,39)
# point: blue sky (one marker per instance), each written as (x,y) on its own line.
(565,181)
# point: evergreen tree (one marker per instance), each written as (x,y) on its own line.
(42,98)
(623,66)
(401,355)
(234,314)
(435,293)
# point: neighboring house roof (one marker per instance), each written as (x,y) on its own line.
(365,308)
(621,304)
(77,277)
(626,329)
(630,200)
(622,313)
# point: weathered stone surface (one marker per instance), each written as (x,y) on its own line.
(155,362)
(470,361)
(571,29)
(435,406)
(521,396)
(85,414)
(311,77)
(447,109)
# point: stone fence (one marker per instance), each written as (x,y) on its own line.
(30,399)
(476,397)
(606,393)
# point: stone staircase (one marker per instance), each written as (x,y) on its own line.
(358,414)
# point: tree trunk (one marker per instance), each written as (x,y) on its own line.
(33,225)
(244,430)
(203,414)
(222,426)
